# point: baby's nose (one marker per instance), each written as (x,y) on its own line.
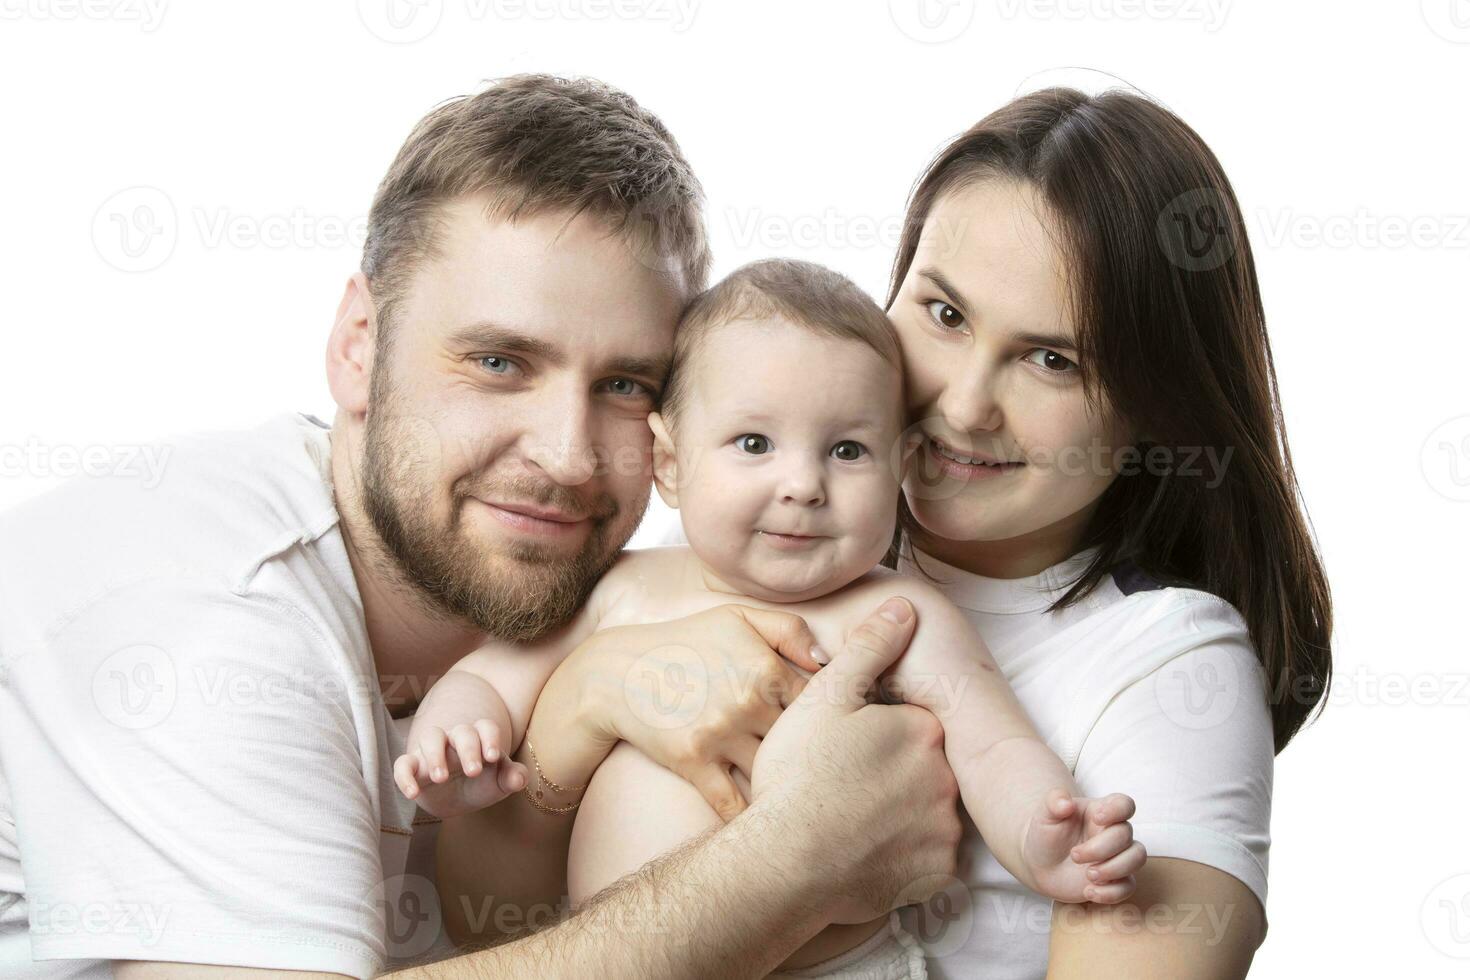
(804,487)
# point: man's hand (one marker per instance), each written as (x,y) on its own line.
(871,801)
(697,694)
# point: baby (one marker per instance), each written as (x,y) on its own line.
(781,440)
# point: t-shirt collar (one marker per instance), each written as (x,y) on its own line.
(998,595)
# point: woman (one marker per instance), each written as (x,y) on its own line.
(1105,487)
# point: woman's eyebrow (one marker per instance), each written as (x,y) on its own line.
(1051,340)
(1034,339)
(939,279)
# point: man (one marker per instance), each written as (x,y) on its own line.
(199,681)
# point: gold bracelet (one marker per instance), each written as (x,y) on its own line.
(535,799)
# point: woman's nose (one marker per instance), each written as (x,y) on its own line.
(968,402)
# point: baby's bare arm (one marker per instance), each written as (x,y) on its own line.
(1003,767)
(1019,793)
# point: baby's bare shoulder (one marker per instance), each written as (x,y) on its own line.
(869,592)
(637,579)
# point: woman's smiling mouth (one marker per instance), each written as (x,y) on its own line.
(966,466)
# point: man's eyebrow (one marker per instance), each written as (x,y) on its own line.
(492,336)
(1034,339)
(495,337)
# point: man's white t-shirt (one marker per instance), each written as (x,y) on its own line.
(1154,692)
(195,755)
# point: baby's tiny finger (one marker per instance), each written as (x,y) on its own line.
(1125,864)
(403,772)
(512,777)
(1104,844)
(1112,809)
(432,748)
(1059,805)
(489,733)
(1111,893)
(466,743)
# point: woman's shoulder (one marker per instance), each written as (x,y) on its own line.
(1143,601)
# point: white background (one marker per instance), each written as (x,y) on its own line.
(259,132)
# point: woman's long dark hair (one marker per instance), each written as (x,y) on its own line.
(1171,329)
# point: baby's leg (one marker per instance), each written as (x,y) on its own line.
(635,810)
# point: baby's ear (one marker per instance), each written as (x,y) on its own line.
(909,450)
(665,463)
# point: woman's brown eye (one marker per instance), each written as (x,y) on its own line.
(1051,360)
(945,315)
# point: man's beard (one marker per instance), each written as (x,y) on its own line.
(517,595)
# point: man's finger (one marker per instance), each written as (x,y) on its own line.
(718,788)
(786,633)
(871,649)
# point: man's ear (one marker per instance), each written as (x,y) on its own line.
(351,348)
(665,463)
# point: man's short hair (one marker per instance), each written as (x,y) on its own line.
(536,144)
(807,295)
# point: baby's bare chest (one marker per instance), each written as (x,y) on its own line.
(830,618)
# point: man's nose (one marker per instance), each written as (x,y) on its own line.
(560,442)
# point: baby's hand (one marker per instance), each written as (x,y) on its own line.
(467,769)
(1082,850)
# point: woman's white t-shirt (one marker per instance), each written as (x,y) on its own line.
(1150,691)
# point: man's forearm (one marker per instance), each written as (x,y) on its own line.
(724,905)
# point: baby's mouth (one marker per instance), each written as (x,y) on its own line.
(788,540)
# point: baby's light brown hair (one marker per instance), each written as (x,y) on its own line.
(802,293)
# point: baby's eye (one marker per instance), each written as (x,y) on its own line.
(1051,360)
(945,315)
(753,444)
(848,450)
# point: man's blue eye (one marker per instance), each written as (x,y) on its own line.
(496,365)
(628,386)
(753,444)
(847,450)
